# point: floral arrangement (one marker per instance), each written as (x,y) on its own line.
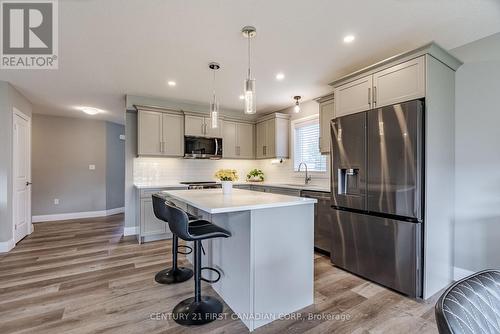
(255,175)
(227,175)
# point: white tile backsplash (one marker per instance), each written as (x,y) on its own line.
(174,170)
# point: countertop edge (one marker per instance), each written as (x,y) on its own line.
(303,201)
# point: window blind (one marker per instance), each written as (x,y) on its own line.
(306,146)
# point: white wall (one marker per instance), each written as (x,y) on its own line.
(477,157)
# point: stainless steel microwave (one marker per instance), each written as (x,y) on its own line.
(202,148)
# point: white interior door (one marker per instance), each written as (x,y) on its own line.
(22,176)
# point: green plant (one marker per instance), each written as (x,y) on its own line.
(255,174)
(227,175)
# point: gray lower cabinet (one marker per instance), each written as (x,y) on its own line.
(149,227)
(269,189)
(284,191)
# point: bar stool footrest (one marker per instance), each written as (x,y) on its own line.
(208,280)
(189,249)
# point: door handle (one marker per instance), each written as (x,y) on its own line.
(28,183)
(369,96)
(374,96)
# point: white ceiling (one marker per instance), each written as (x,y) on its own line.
(115,47)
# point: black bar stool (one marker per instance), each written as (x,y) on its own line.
(199,309)
(175,274)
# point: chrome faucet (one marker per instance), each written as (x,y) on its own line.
(308,178)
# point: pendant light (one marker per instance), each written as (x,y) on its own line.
(250,98)
(296,109)
(214,104)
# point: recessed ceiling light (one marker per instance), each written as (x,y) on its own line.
(280,76)
(90,110)
(242,97)
(172,83)
(349,39)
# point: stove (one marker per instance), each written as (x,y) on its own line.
(202,185)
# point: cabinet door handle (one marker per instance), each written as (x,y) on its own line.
(264,150)
(374,96)
(369,96)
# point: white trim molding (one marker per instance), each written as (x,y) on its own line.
(133,230)
(115,211)
(76,215)
(6,246)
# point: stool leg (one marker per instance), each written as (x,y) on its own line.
(175,246)
(197,310)
(175,274)
(197,270)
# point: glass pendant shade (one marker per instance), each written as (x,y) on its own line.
(250,97)
(214,114)
(296,109)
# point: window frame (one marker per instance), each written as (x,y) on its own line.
(323,174)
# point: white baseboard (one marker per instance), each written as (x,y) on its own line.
(115,211)
(130,231)
(459,273)
(6,246)
(76,215)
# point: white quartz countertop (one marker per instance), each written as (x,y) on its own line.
(159,186)
(213,201)
(297,186)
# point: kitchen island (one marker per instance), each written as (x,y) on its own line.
(267,263)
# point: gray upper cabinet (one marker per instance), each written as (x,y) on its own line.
(238,140)
(200,126)
(326,114)
(194,126)
(399,83)
(353,97)
(149,138)
(160,133)
(272,135)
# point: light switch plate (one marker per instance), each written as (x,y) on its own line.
(91,167)
(56,201)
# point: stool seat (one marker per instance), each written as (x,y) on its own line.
(203,229)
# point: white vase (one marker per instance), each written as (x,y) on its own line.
(227,187)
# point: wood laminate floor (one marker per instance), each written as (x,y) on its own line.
(83,276)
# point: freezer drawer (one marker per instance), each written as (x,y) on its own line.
(383,250)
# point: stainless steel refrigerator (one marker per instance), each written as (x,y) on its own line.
(377,195)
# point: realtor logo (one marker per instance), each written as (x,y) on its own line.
(29,34)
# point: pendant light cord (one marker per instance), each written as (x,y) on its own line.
(213,85)
(249,75)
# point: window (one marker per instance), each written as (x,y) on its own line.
(306,146)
